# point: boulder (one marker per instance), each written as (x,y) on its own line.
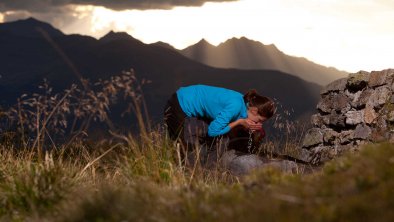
(370,115)
(362,132)
(241,164)
(358,81)
(322,154)
(338,85)
(313,137)
(361,100)
(330,136)
(286,166)
(346,137)
(377,79)
(337,120)
(319,121)
(303,154)
(380,96)
(337,102)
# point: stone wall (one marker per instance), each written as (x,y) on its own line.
(352,111)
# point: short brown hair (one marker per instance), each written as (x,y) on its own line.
(265,105)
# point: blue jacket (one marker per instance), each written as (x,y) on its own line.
(220,105)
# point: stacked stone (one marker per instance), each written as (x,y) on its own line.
(352,111)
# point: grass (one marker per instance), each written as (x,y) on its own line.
(140,178)
(146,184)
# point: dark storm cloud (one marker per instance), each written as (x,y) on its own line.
(144,4)
(45,5)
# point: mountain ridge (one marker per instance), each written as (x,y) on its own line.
(29,27)
(33,59)
(244,53)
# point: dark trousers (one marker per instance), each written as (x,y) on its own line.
(174,118)
(191,132)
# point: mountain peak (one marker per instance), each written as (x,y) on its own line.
(241,39)
(32,20)
(204,42)
(29,27)
(115,36)
(244,40)
(164,45)
(244,53)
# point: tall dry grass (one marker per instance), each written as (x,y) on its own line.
(47,153)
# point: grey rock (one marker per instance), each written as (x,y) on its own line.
(243,164)
(322,154)
(377,79)
(361,142)
(358,81)
(227,157)
(390,75)
(380,96)
(354,117)
(341,103)
(343,148)
(337,120)
(282,165)
(378,135)
(346,136)
(362,99)
(303,154)
(353,97)
(318,120)
(337,102)
(312,137)
(335,86)
(329,136)
(324,105)
(362,132)
(381,123)
(369,114)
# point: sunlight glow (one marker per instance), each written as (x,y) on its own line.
(83,11)
(350,35)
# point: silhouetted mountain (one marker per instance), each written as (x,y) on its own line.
(115,36)
(26,61)
(204,44)
(28,28)
(164,45)
(248,54)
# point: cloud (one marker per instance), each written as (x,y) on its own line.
(45,5)
(64,14)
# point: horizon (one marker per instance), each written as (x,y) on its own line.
(349,36)
(203,39)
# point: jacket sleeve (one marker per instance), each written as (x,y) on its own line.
(220,125)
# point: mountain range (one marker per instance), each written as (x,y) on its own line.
(244,53)
(32,50)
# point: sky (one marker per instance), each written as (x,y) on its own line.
(349,35)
